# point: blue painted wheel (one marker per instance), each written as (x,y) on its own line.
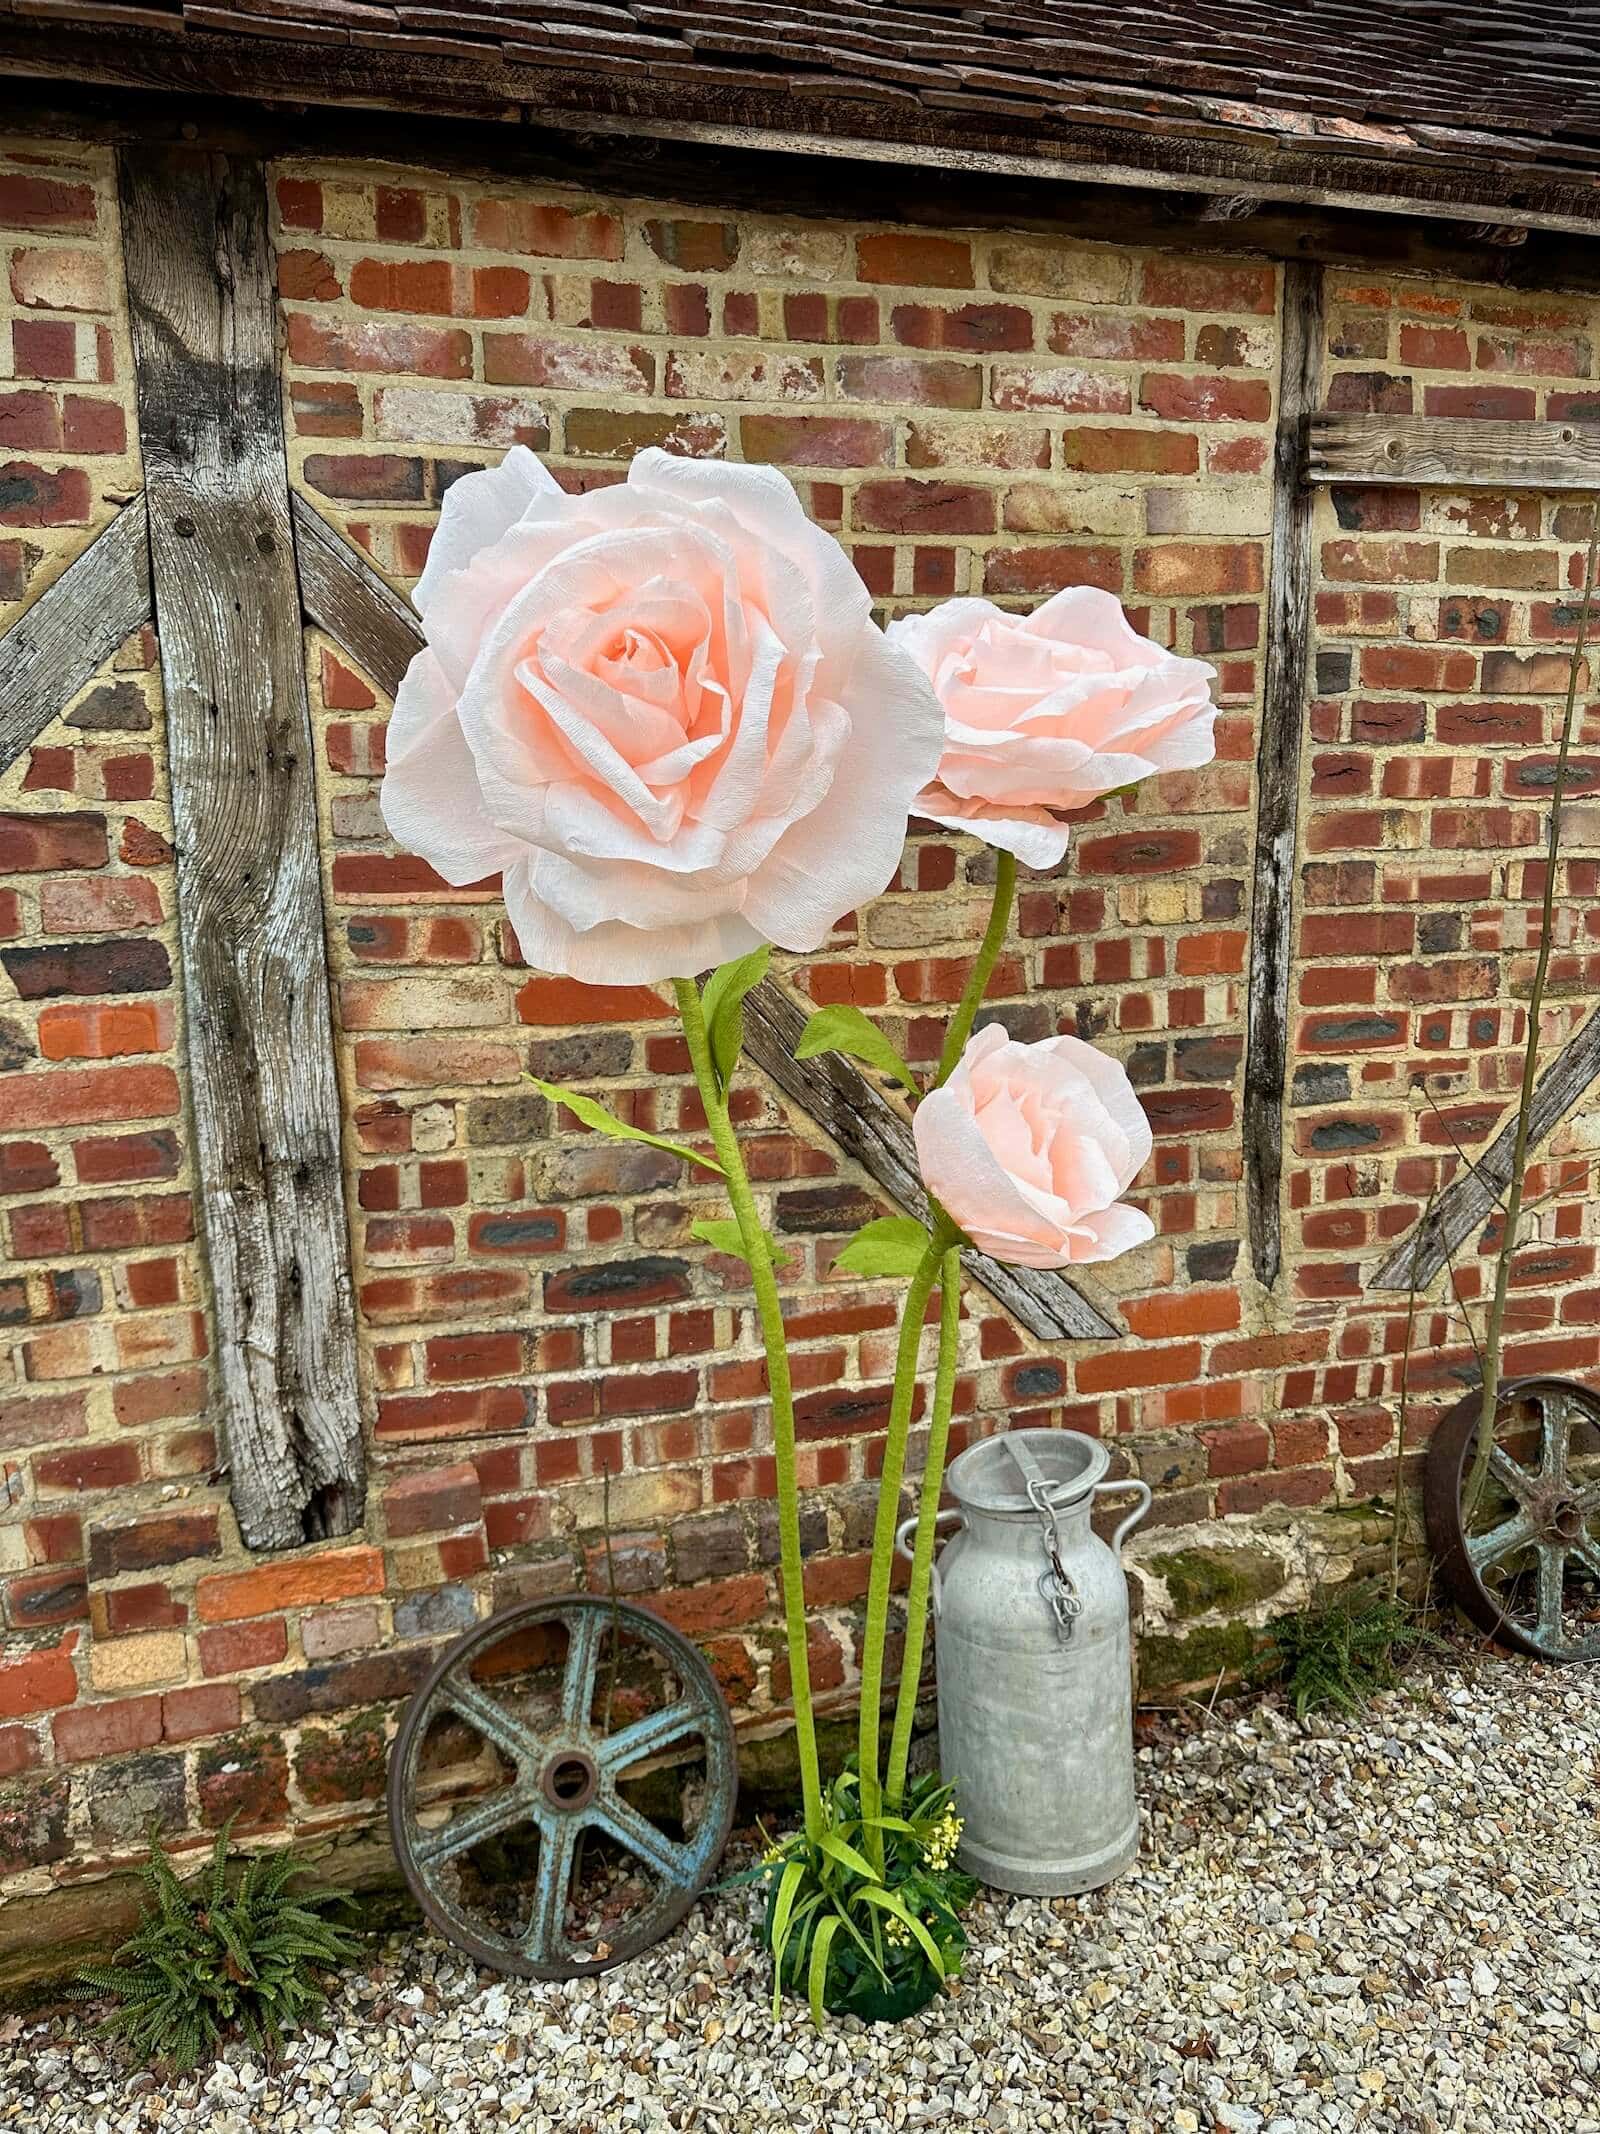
(562,1786)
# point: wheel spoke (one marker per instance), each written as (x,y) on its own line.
(1587,1551)
(584,1631)
(633,1743)
(1506,1471)
(1552,1583)
(502,1811)
(1553,1442)
(1483,1550)
(674,1863)
(491,1719)
(544,1938)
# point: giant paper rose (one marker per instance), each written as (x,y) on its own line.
(661,712)
(1028,1146)
(1049,711)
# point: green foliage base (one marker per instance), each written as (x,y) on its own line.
(237,1951)
(864,1918)
(1336,1657)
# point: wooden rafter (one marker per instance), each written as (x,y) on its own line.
(72,629)
(345,596)
(267,1114)
(1471,1198)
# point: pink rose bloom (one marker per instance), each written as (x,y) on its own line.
(661,712)
(1028,1146)
(1049,711)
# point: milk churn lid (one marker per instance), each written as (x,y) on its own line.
(989,1477)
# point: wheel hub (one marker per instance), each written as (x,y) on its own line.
(569,1779)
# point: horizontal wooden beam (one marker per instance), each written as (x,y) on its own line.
(1473,1197)
(1450,452)
(345,596)
(60,644)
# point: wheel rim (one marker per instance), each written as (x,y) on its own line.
(1526,1567)
(511,1781)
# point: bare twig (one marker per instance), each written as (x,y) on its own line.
(1530,1057)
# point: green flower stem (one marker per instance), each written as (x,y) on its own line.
(888,1514)
(1005,890)
(944,1386)
(770,1312)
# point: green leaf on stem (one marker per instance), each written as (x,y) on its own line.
(891,1902)
(843,1028)
(817,1981)
(846,1855)
(890,1244)
(723,1004)
(722,1234)
(591,1113)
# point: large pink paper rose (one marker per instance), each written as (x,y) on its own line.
(1028,1146)
(661,712)
(1048,711)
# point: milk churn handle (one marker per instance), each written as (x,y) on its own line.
(1056,1589)
(1126,1528)
(904,1545)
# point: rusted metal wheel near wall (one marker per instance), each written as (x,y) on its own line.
(562,1786)
(1525,1566)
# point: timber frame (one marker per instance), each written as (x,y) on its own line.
(217,512)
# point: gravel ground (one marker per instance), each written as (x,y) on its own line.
(1390,1923)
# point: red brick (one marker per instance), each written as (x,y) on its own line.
(39,1683)
(207,1708)
(926,262)
(95,1730)
(306,1582)
(234,1648)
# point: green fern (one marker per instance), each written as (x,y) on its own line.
(1336,1657)
(238,1950)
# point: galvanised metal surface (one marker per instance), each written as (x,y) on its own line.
(1526,1566)
(562,1772)
(1032,1658)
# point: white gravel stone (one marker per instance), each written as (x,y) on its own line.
(1388,1923)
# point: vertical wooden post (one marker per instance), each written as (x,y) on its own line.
(261,1071)
(1289,611)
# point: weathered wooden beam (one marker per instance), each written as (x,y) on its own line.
(1473,1196)
(61,642)
(853,1112)
(1453,452)
(344,595)
(267,1116)
(1278,770)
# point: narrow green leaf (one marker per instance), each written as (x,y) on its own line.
(888,1900)
(607,1122)
(843,1028)
(847,1856)
(891,1244)
(817,1983)
(788,1889)
(722,1234)
(723,1002)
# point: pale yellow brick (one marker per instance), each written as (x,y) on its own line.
(135,1663)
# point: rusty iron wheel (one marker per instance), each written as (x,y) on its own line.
(513,1796)
(1526,1566)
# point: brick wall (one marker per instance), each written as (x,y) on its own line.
(979,412)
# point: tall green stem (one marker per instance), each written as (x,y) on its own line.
(1484,1445)
(888,1517)
(769,1310)
(1005,890)
(944,1386)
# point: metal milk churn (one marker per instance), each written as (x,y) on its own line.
(1032,1659)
